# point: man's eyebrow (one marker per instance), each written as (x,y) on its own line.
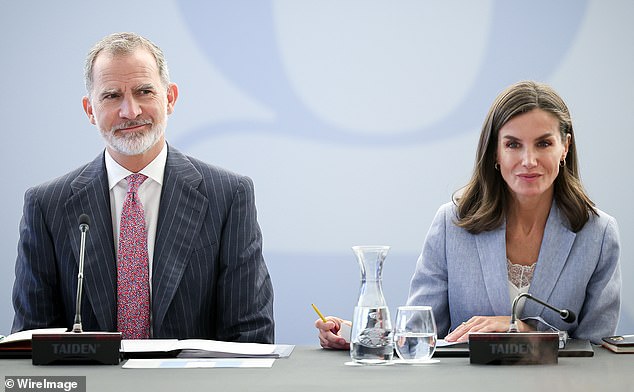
(145,86)
(109,91)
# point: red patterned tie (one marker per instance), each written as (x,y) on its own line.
(133,286)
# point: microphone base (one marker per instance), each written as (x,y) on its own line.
(521,348)
(98,348)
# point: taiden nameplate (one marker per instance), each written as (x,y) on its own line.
(519,348)
(74,348)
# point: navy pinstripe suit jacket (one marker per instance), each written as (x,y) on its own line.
(209,279)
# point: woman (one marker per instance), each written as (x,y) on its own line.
(523,223)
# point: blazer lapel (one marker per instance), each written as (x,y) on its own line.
(91,196)
(492,253)
(556,245)
(181,214)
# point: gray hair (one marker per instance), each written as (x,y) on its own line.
(123,44)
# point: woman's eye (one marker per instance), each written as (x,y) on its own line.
(512,145)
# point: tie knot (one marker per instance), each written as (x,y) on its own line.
(134,182)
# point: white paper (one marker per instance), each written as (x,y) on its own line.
(28,334)
(147,345)
(193,363)
(255,349)
(206,348)
(444,343)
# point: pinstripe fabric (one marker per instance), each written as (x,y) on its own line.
(209,277)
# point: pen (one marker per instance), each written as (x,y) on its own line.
(337,328)
(321,316)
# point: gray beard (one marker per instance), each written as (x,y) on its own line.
(134,143)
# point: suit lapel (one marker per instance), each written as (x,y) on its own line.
(556,245)
(492,253)
(91,196)
(181,214)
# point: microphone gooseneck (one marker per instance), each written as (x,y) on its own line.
(84,225)
(77,346)
(565,314)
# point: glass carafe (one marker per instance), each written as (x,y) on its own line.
(371,338)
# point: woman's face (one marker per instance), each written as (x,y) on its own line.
(528,153)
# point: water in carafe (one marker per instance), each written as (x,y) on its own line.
(371,339)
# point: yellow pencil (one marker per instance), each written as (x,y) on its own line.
(321,316)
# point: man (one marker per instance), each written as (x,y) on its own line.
(174,247)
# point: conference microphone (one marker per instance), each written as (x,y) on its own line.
(77,346)
(514,347)
(565,314)
(84,226)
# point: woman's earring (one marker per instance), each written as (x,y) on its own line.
(562,163)
(497,166)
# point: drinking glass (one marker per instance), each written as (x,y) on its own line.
(415,333)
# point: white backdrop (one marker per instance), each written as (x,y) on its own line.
(355,119)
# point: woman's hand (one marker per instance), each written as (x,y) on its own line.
(484,324)
(329,333)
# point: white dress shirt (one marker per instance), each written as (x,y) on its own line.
(149,192)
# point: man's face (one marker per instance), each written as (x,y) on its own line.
(128,102)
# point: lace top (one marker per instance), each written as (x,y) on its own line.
(520,275)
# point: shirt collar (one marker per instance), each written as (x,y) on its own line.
(153,170)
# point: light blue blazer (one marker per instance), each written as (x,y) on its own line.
(463,275)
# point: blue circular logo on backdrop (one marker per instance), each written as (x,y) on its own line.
(475,57)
